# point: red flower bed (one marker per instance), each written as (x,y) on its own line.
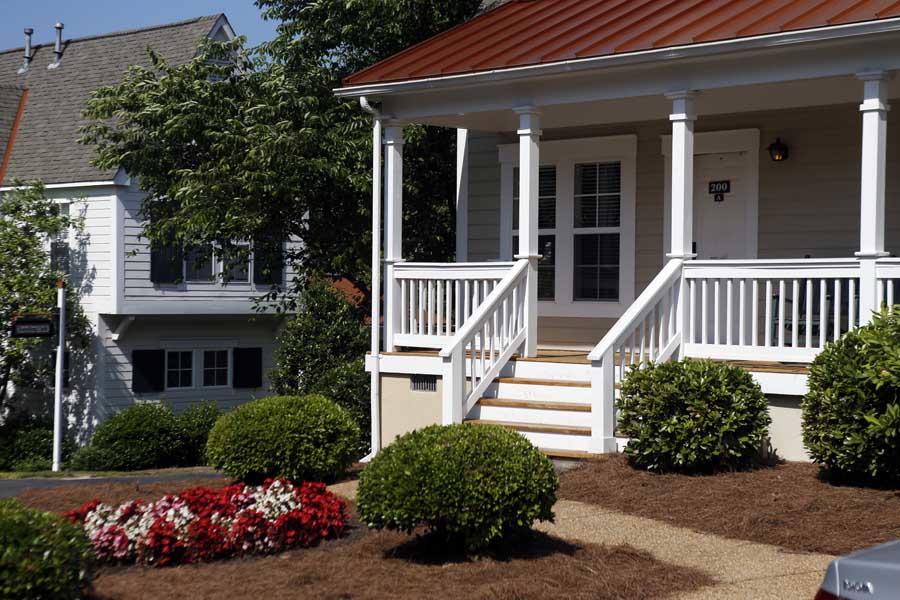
(202,524)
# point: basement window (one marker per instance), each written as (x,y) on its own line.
(423,383)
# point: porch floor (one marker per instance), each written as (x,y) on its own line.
(580,357)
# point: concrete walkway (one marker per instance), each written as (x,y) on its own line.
(743,570)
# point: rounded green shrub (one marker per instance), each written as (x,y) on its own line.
(470,486)
(42,556)
(143,436)
(692,416)
(348,385)
(851,414)
(303,438)
(26,444)
(194,425)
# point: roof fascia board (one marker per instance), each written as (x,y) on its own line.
(63,186)
(705,49)
(818,61)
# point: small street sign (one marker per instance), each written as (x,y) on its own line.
(32,326)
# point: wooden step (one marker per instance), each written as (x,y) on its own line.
(553,382)
(573,454)
(535,404)
(535,427)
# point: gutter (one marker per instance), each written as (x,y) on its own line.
(63,186)
(575,65)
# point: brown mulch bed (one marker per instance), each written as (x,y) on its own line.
(388,565)
(67,497)
(790,505)
(365,564)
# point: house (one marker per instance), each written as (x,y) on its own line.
(163,331)
(638,180)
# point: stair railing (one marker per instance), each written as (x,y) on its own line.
(484,344)
(648,332)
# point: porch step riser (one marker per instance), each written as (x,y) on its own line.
(559,441)
(542,393)
(532,416)
(782,384)
(546,370)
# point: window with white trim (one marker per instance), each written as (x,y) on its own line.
(586,225)
(597,231)
(546,228)
(179,369)
(215,368)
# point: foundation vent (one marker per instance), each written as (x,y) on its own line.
(423,383)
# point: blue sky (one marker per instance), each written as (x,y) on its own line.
(90,17)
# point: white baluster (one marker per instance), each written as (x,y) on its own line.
(692,312)
(837,309)
(754,315)
(795,314)
(729,313)
(768,322)
(457,310)
(704,312)
(781,300)
(809,312)
(742,313)
(851,300)
(717,335)
(823,312)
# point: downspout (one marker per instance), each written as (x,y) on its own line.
(375,352)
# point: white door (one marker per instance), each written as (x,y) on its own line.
(720,206)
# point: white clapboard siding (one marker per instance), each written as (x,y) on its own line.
(142,296)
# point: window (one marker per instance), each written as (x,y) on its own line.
(546,229)
(237,269)
(198,265)
(179,369)
(215,368)
(597,223)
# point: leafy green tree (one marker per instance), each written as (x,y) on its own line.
(29,222)
(252,144)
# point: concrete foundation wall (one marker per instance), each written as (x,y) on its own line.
(403,410)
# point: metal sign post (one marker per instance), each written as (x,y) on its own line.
(60,364)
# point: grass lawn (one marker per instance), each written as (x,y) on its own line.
(366,564)
(87,474)
(789,505)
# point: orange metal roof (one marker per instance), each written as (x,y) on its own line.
(532,32)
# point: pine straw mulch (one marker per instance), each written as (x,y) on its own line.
(365,564)
(791,505)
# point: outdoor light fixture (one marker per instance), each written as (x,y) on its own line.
(778,150)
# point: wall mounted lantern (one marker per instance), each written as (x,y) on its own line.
(778,150)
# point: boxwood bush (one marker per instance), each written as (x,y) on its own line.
(470,486)
(303,438)
(692,416)
(143,436)
(26,444)
(194,425)
(851,414)
(42,556)
(348,385)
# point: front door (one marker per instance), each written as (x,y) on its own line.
(720,206)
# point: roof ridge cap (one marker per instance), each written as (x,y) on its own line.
(123,32)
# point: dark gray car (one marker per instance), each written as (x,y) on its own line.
(871,574)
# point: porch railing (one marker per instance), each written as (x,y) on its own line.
(494,331)
(436,299)
(888,278)
(780,310)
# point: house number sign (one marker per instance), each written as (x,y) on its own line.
(718,189)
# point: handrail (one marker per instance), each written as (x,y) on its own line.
(480,315)
(487,340)
(639,308)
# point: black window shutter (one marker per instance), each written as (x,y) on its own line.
(148,371)
(247,368)
(166,263)
(268,264)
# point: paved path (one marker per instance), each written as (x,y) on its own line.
(743,570)
(13,487)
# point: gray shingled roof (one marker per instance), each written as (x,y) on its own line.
(9,105)
(46,146)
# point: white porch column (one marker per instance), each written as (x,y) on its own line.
(529,171)
(682,205)
(393,228)
(874,110)
(462,195)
